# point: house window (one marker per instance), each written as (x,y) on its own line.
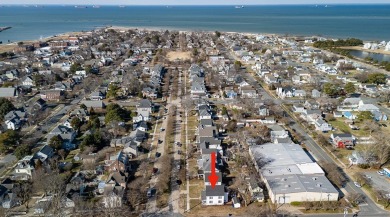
(210,202)
(220,197)
(219,201)
(210,198)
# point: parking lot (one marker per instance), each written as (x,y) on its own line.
(378,181)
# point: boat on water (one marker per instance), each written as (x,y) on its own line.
(78,6)
(122,6)
(238,7)
(5,28)
(96,6)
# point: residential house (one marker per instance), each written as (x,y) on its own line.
(270,79)
(97,95)
(39,105)
(379,116)
(141,116)
(343,140)
(52,95)
(349,104)
(28,82)
(205,114)
(117,162)
(297,108)
(12,74)
(24,168)
(214,196)
(322,125)
(284,92)
(263,110)
(145,105)
(95,104)
(14,119)
(248,92)
(311,104)
(311,115)
(356,158)
(315,94)
(42,205)
(300,93)
(149,92)
(66,134)
(277,132)
(255,190)
(8,92)
(113,195)
(44,153)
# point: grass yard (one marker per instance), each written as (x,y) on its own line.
(195,191)
(183,201)
(162,200)
(340,126)
(71,154)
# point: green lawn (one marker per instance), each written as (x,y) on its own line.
(340,126)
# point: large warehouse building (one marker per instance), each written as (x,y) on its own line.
(291,175)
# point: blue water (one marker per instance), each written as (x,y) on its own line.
(375,56)
(367,22)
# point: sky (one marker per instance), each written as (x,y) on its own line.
(191,2)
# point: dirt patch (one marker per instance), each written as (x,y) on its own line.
(174,55)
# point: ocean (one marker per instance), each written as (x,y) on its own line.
(367,22)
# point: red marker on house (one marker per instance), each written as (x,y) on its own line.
(213,178)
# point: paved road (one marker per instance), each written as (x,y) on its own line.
(370,208)
(175,192)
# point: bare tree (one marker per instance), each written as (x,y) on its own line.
(23,191)
(137,192)
(370,126)
(362,179)
(382,148)
(333,172)
(382,195)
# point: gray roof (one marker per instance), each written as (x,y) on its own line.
(300,183)
(47,150)
(282,154)
(93,103)
(145,103)
(206,122)
(207,131)
(219,190)
(7,92)
(276,128)
(219,174)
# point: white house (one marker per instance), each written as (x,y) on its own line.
(216,196)
(322,125)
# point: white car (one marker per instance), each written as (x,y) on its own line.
(368,177)
(380,172)
(357,184)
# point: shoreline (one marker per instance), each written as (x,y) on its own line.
(359,48)
(10,46)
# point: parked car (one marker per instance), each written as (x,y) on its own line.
(151,192)
(158,154)
(154,170)
(357,184)
(380,172)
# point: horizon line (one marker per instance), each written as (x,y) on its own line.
(67,4)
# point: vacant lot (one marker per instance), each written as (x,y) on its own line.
(174,55)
